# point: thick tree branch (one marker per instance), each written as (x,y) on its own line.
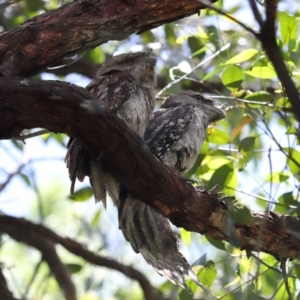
(29,48)
(57,106)
(38,235)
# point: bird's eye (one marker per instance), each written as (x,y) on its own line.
(127,61)
(199,97)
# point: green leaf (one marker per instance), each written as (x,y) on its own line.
(216,162)
(260,96)
(60,138)
(278,176)
(263,72)
(292,130)
(241,57)
(166,287)
(297,270)
(221,176)
(184,295)
(25,178)
(186,236)
(232,77)
(294,165)
(74,268)
(218,244)
(82,194)
(208,274)
(288,201)
(246,149)
(215,71)
(96,218)
(288,27)
(218,137)
(233,282)
(170,34)
(247,144)
(97,55)
(197,47)
(283,102)
(148,37)
(35,6)
(239,214)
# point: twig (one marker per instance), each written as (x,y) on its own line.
(11,176)
(207,86)
(270,267)
(285,277)
(68,64)
(193,69)
(271,135)
(256,13)
(241,285)
(222,12)
(32,278)
(243,100)
(31,135)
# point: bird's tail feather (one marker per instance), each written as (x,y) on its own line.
(151,234)
(97,184)
(102,182)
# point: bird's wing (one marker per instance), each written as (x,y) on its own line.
(166,127)
(114,89)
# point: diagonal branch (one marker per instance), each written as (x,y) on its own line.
(56,106)
(38,43)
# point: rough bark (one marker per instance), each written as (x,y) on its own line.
(38,43)
(57,106)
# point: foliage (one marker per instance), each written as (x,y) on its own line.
(253,154)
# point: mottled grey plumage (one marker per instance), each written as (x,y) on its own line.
(126,84)
(175,135)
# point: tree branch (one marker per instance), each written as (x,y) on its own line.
(39,42)
(56,106)
(38,235)
(49,255)
(267,38)
(4,291)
